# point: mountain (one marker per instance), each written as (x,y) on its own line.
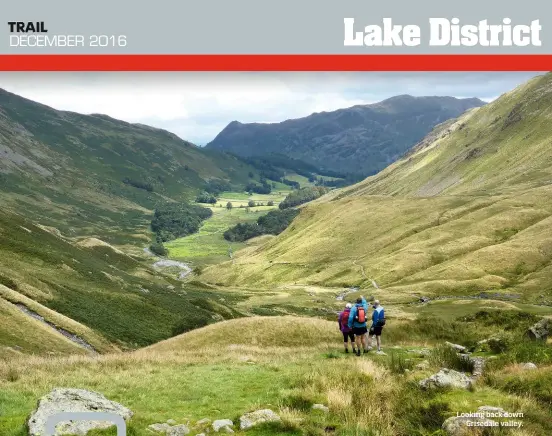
(361,139)
(77,194)
(466,211)
(97,176)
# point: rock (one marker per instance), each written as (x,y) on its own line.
(220,424)
(178,430)
(446,377)
(200,434)
(171,422)
(73,400)
(459,348)
(321,407)
(424,352)
(463,425)
(422,365)
(254,418)
(204,421)
(160,428)
(529,365)
(424,299)
(491,410)
(478,366)
(540,331)
(460,425)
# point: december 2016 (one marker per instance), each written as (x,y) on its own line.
(34,34)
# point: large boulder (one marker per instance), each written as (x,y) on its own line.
(459,348)
(464,425)
(223,425)
(258,417)
(541,330)
(73,400)
(529,365)
(446,378)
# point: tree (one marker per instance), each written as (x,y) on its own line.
(270,203)
(206,197)
(229,205)
(251,203)
(159,249)
(250,175)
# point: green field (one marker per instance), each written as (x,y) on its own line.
(288,364)
(208,245)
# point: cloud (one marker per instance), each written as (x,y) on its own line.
(197,106)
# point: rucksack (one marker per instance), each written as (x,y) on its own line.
(361,315)
(345,319)
(381,321)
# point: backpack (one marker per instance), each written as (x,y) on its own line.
(361,315)
(381,321)
(345,319)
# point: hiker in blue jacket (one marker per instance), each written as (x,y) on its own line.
(378,321)
(357,321)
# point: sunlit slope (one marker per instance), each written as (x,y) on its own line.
(503,146)
(468,211)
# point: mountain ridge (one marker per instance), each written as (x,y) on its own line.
(357,139)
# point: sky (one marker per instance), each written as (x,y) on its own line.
(197,106)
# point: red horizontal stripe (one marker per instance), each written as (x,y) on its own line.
(261,62)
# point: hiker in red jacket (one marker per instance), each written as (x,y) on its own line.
(348,335)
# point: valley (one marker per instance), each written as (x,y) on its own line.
(192,284)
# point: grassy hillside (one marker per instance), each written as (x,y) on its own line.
(498,148)
(105,296)
(288,364)
(467,212)
(94,175)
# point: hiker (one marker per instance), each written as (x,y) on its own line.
(343,321)
(357,321)
(378,321)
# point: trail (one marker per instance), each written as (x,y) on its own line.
(72,337)
(374,284)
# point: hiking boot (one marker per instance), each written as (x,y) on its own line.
(346,350)
(358,353)
(365,351)
(381,353)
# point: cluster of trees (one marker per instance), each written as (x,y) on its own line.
(273,223)
(293,184)
(303,195)
(263,188)
(206,197)
(217,186)
(138,184)
(175,220)
(159,249)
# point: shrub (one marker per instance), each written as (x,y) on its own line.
(206,197)
(273,223)
(159,249)
(303,195)
(251,203)
(229,205)
(138,184)
(270,203)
